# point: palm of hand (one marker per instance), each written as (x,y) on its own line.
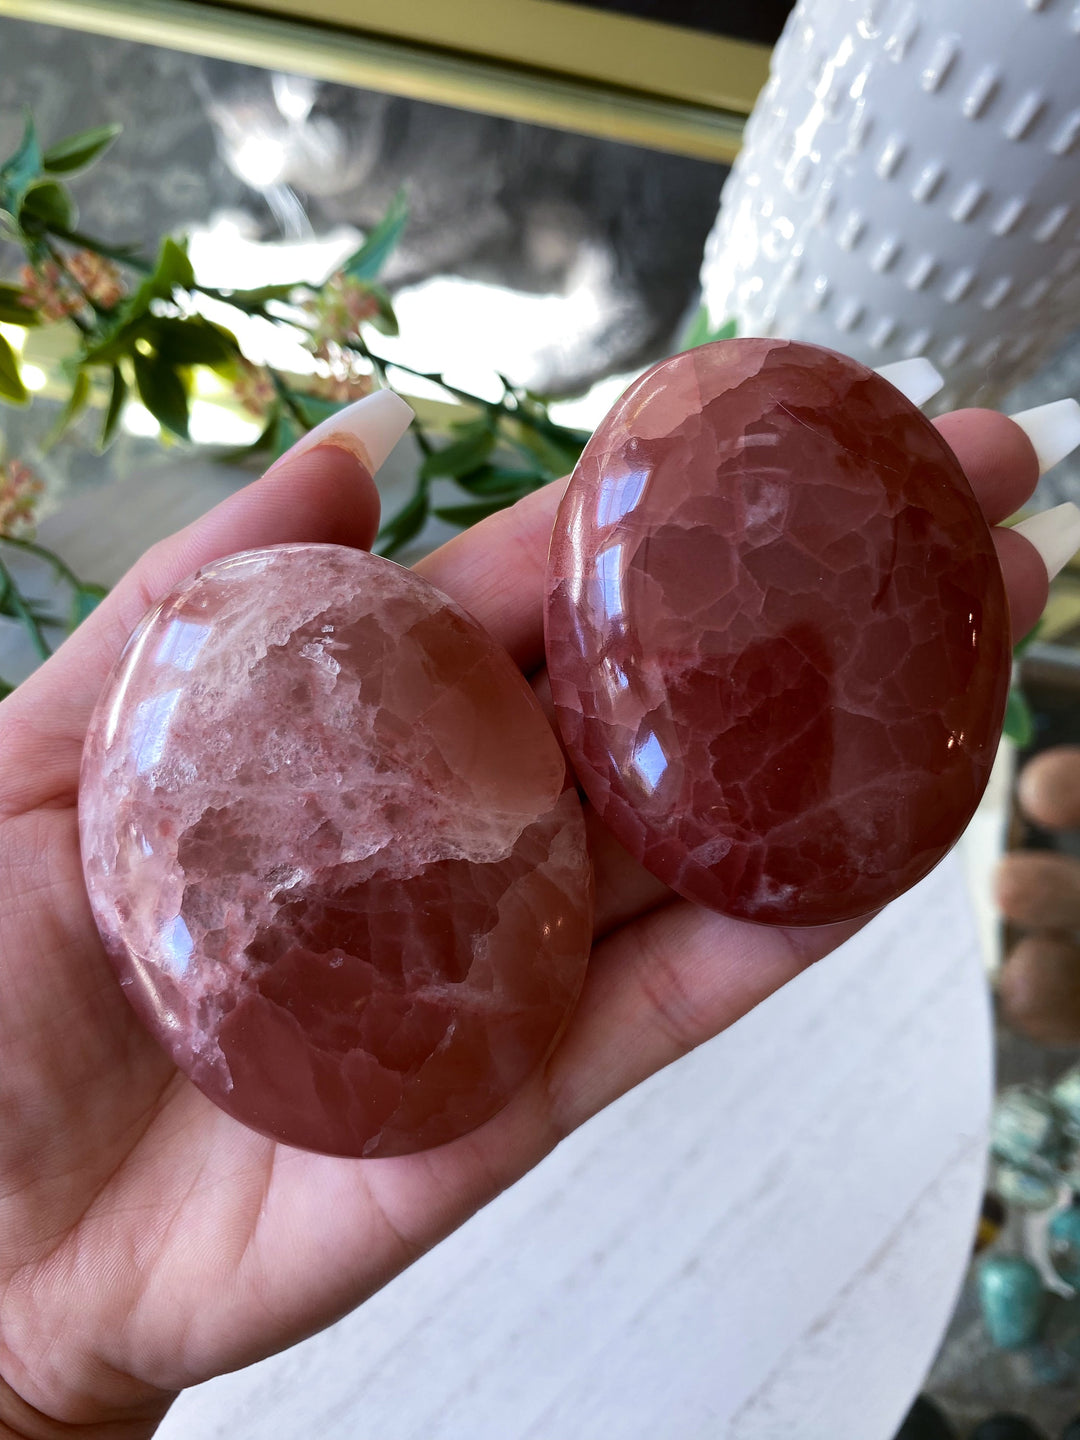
(148,1241)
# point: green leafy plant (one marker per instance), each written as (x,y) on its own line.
(137,331)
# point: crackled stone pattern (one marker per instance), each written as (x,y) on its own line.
(332,853)
(777,632)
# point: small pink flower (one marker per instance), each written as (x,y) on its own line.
(341,307)
(99,278)
(254,388)
(20,490)
(49,291)
(341,388)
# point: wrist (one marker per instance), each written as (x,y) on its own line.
(20,1421)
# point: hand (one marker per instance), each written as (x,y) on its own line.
(1039,891)
(148,1241)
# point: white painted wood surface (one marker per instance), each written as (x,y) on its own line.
(763,1242)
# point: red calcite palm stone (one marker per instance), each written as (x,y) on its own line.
(332,853)
(777,633)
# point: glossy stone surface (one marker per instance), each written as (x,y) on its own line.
(332,853)
(777,632)
(1063,1244)
(1012,1300)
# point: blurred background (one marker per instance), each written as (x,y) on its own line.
(561,194)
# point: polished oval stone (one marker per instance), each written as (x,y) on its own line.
(1026,1187)
(332,852)
(1027,1128)
(1063,1244)
(777,632)
(1012,1300)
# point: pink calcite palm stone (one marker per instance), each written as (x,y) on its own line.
(332,853)
(777,633)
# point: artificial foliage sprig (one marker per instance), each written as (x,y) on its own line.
(137,330)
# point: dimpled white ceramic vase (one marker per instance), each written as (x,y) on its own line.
(910,185)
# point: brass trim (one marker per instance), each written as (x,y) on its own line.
(640,55)
(395,68)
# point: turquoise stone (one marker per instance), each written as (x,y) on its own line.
(1066,1096)
(1063,1243)
(1027,1129)
(1012,1300)
(1026,1189)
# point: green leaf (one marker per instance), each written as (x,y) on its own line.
(116,337)
(12,388)
(470,450)
(700,331)
(162,392)
(20,170)
(48,205)
(500,480)
(1033,635)
(193,341)
(172,271)
(12,311)
(368,261)
(77,401)
(252,299)
(1019,721)
(79,151)
(6,688)
(405,525)
(557,448)
(385,321)
(84,602)
(286,434)
(315,408)
(466,515)
(116,408)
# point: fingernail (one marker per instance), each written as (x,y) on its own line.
(1053,429)
(917,378)
(368,428)
(1054,533)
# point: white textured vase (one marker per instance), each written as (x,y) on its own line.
(910,185)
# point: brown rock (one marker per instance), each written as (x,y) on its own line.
(1049,788)
(1040,889)
(1039,990)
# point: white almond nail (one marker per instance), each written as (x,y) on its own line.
(1053,429)
(917,378)
(1054,533)
(368,428)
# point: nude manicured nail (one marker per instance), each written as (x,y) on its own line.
(1054,533)
(1054,430)
(368,429)
(917,378)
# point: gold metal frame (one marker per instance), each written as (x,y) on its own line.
(541,61)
